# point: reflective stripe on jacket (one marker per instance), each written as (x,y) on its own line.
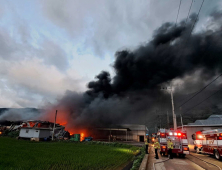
(156,145)
(146,143)
(169,145)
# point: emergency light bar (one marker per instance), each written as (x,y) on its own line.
(179,134)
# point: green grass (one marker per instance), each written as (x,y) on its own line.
(20,154)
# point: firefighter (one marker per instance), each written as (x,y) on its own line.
(147,144)
(170,147)
(156,147)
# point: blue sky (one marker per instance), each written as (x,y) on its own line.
(50,46)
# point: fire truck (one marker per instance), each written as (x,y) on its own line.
(212,142)
(179,139)
(198,141)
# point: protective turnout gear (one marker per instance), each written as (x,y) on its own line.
(156,145)
(170,147)
(146,142)
(169,144)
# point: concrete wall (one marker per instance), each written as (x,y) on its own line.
(133,135)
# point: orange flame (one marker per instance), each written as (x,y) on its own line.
(64,118)
(82,137)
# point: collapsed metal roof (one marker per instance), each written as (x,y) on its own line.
(212,120)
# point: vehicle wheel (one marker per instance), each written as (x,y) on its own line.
(163,153)
(217,154)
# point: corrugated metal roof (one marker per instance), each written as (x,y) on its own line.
(215,125)
(212,120)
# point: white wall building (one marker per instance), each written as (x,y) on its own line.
(213,122)
(38,133)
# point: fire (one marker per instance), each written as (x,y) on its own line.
(63,124)
(81,136)
(0,133)
(64,118)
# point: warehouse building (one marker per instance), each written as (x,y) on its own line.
(124,132)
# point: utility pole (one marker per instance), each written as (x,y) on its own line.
(168,120)
(160,122)
(54,126)
(181,119)
(174,116)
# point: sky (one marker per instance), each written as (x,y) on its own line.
(50,46)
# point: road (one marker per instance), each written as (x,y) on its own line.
(190,162)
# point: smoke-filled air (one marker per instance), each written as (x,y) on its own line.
(174,57)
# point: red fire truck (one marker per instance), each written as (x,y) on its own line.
(179,139)
(212,142)
(198,141)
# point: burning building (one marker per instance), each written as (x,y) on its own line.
(39,130)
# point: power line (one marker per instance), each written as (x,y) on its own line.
(202,101)
(186,41)
(195,20)
(189,11)
(186,97)
(178,12)
(200,90)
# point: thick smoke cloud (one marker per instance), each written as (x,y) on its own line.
(19,114)
(172,53)
(132,95)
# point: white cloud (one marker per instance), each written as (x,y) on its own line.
(33,80)
(107,26)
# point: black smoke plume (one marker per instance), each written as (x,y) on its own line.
(133,95)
